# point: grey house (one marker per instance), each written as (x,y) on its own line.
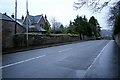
(36,23)
(8,30)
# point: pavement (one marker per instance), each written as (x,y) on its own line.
(107,65)
(89,59)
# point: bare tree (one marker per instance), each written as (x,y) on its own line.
(114,12)
(53,21)
(114,18)
(95,5)
(55,25)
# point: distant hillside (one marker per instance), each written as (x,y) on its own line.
(106,33)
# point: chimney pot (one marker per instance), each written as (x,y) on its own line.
(12,16)
(45,17)
(22,17)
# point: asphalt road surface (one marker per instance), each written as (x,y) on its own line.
(89,59)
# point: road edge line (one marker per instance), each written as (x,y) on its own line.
(97,58)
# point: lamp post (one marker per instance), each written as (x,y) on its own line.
(27,21)
(15,16)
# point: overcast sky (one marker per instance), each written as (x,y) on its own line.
(62,10)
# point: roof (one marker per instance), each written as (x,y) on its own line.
(34,19)
(36,28)
(5,17)
(20,20)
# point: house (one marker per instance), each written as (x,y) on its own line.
(8,30)
(36,23)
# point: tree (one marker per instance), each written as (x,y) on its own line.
(87,28)
(95,5)
(56,26)
(82,27)
(71,28)
(116,29)
(53,20)
(114,19)
(94,26)
(114,12)
(62,29)
(47,27)
(78,23)
(98,5)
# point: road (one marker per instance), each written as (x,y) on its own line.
(74,60)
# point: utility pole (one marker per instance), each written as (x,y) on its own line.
(15,16)
(27,21)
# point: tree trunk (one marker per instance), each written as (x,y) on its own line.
(80,36)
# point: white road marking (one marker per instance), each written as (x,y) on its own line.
(97,57)
(65,50)
(80,46)
(21,62)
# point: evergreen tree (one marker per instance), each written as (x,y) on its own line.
(78,23)
(86,27)
(47,27)
(82,27)
(62,29)
(94,26)
(71,28)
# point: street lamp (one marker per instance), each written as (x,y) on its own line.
(27,21)
(15,16)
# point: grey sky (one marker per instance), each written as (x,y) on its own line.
(62,10)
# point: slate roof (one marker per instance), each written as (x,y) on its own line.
(36,28)
(34,19)
(20,20)
(5,17)
(37,18)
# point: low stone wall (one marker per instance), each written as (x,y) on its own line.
(20,42)
(117,38)
(37,40)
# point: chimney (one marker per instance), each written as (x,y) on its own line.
(12,15)
(45,16)
(5,13)
(22,17)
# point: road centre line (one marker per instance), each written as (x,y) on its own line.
(65,50)
(21,62)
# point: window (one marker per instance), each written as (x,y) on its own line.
(41,25)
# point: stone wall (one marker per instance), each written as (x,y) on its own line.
(37,40)
(7,34)
(8,28)
(117,38)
